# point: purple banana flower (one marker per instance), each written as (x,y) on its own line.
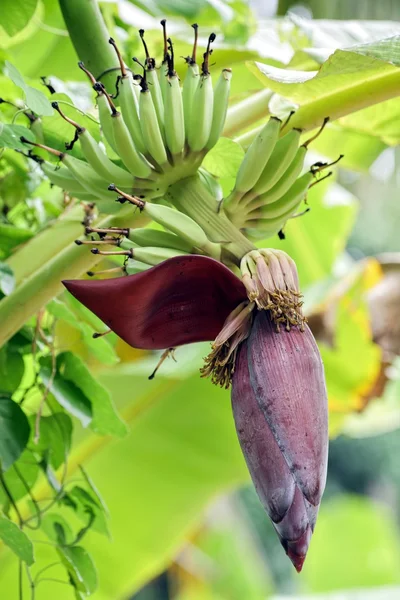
(278,390)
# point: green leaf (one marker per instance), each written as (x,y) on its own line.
(80,567)
(224,159)
(14,432)
(16,14)
(52,524)
(16,540)
(7,279)
(55,437)
(84,504)
(35,99)
(27,467)
(10,136)
(11,369)
(67,394)
(106,420)
(347,82)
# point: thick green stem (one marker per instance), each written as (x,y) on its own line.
(89,36)
(245,113)
(193,198)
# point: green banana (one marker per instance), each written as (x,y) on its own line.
(94,154)
(153,255)
(202,108)
(135,266)
(154,237)
(157,96)
(62,177)
(190,84)
(281,157)
(221,98)
(174,117)
(284,183)
(257,156)
(201,114)
(129,105)
(290,200)
(191,81)
(174,221)
(150,129)
(135,162)
(101,163)
(128,95)
(151,78)
(105,118)
(86,176)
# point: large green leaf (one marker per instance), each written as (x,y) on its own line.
(80,567)
(23,473)
(105,418)
(16,14)
(35,99)
(55,437)
(16,540)
(14,432)
(348,81)
(67,394)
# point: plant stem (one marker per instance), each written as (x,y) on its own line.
(248,111)
(89,36)
(193,198)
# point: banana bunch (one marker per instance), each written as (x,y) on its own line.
(269,187)
(160,131)
(143,248)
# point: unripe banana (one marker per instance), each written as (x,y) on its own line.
(221,98)
(150,129)
(62,177)
(183,226)
(105,119)
(87,177)
(174,118)
(129,104)
(154,255)
(135,266)
(133,161)
(290,200)
(285,182)
(101,163)
(201,116)
(281,157)
(257,156)
(157,97)
(128,95)
(190,84)
(162,239)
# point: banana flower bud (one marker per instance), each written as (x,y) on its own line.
(262,345)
